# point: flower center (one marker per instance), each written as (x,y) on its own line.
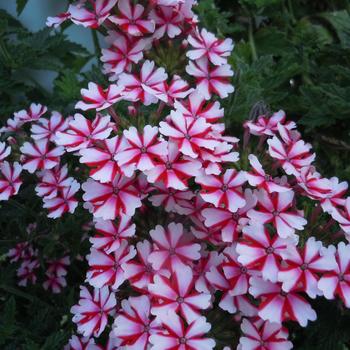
(187,136)
(224,188)
(275,213)
(168,165)
(143,149)
(304,266)
(243,269)
(182,340)
(180,300)
(270,250)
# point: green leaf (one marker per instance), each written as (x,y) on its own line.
(21,4)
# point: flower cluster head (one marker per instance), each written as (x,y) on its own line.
(182,227)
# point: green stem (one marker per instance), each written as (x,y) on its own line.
(291,11)
(252,41)
(96,42)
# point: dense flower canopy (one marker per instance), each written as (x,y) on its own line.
(232,235)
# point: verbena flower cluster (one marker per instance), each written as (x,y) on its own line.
(234,237)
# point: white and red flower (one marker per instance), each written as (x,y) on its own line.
(110,235)
(142,150)
(65,202)
(131,19)
(105,269)
(47,128)
(258,178)
(38,155)
(173,247)
(5,151)
(337,282)
(277,209)
(10,181)
(134,323)
(342,216)
(125,51)
(146,87)
(190,134)
(95,97)
(111,200)
(178,337)
(224,191)
(34,112)
(211,80)
(301,267)
(263,335)
(52,181)
(278,306)
(259,250)
(81,132)
(91,313)
(93,19)
(173,169)
(100,158)
(205,44)
(178,294)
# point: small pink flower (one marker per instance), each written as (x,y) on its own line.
(81,132)
(170,199)
(301,267)
(337,282)
(141,151)
(211,80)
(173,169)
(167,22)
(258,250)
(178,294)
(52,181)
(139,271)
(105,269)
(277,209)
(47,128)
(293,156)
(5,151)
(336,197)
(95,97)
(10,181)
(76,343)
(131,19)
(146,87)
(34,112)
(178,337)
(268,125)
(172,247)
(278,306)
(38,155)
(342,216)
(313,184)
(91,313)
(100,158)
(134,323)
(26,272)
(205,44)
(57,20)
(111,200)
(59,267)
(258,178)
(190,134)
(93,19)
(65,202)
(54,283)
(196,106)
(223,191)
(263,335)
(125,51)
(110,235)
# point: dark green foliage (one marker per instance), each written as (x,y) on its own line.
(289,54)
(292,55)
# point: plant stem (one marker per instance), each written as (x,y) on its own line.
(114,115)
(96,42)
(252,41)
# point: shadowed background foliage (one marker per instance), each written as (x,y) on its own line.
(289,54)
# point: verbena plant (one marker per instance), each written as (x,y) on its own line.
(179,235)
